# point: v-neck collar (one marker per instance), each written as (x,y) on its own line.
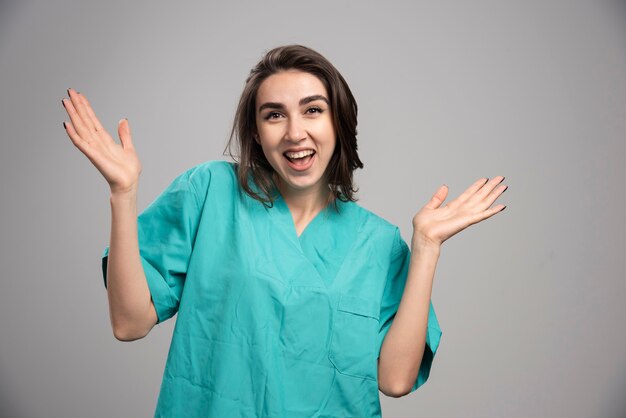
(325,244)
(283,208)
(323,248)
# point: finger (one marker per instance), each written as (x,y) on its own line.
(80,143)
(123,131)
(80,109)
(481,216)
(438,198)
(470,191)
(77,122)
(488,188)
(491,198)
(96,122)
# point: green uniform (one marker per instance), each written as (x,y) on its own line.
(270,324)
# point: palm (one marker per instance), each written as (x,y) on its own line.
(118,163)
(435,223)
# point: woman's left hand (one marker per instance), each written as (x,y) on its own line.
(434,223)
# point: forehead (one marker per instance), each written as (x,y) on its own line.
(289,87)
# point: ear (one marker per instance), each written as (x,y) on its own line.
(256,138)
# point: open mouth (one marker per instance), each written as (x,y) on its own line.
(300,158)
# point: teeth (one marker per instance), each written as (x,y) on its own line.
(299,154)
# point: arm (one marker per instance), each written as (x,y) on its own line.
(130,307)
(403,347)
(400,355)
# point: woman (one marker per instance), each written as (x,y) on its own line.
(292,300)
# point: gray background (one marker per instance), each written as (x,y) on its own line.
(530,301)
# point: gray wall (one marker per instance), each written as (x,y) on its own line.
(530,301)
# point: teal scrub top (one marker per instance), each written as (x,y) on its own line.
(270,324)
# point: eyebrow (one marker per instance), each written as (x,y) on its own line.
(303,101)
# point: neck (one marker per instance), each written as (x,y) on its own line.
(305,204)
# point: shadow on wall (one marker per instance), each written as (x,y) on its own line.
(6,6)
(616,398)
(8,401)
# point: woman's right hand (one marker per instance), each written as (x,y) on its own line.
(119,164)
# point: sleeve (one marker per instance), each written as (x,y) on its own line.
(166,232)
(394,288)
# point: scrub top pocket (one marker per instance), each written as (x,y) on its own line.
(353,349)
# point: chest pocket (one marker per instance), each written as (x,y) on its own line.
(353,349)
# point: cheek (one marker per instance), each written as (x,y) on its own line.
(329,138)
(269,148)
(269,135)
(329,132)
(322,130)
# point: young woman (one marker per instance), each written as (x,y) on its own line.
(292,300)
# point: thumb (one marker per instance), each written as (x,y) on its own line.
(438,198)
(123,131)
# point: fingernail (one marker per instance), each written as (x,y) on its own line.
(68,91)
(65,127)
(63,101)
(503,208)
(505,189)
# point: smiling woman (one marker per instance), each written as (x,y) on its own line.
(295,131)
(292,299)
(323,101)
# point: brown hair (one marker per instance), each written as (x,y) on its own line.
(252,162)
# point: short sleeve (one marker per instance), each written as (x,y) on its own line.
(396,280)
(166,231)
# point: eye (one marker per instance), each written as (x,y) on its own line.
(272,115)
(314,109)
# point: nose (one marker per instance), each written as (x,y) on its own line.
(295,130)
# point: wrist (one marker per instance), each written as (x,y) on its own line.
(421,246)
(126,196)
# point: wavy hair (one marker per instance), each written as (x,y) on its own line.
(251,161)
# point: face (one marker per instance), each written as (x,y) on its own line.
(295,129)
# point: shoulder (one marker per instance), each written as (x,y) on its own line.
(211,169)
(213,173)
(372,220)
(376,226)
(216,175)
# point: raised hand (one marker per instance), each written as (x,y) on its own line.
(119,164)
(435,223)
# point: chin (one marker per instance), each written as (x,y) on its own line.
(303,185)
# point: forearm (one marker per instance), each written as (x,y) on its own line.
(130,307)
(403,347)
